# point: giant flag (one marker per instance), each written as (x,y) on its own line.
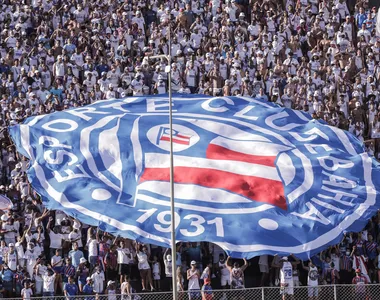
(250,176)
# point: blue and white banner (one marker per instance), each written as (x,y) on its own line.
(5,203)
(249,176)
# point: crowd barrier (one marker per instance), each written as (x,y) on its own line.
(322,292)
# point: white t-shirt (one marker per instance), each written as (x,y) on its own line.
(224,272)
(123,256)
(312,278)
(55,259)
(4,251)
(59,215)
(143,261)
(92,245)
(55,240)
(286,273)
(9,235)
(98,279)
(20,250)
(48,283)
(26,293)
(74,236)
(12,260)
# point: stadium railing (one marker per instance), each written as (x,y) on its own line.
(322,292)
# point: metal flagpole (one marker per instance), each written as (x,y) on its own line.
(172,210)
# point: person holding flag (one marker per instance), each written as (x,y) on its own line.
(312,280)
(286,278)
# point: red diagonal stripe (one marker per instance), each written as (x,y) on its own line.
(219,152)
(254,188)
(167,138)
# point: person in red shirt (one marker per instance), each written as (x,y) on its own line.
(359,280)
(207,293)
(110,262)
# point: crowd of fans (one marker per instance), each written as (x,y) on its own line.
(319,56)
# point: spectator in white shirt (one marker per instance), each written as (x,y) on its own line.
(57,266)
(124,257)
(27,291)
(98,278)
(55,236)
(92,247)
(48,283)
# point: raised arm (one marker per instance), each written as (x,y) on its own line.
(29,228)
(297,261)
(115,240)
(227,264)
(188,275)
(245,264)
(166,253)
(49,224)
(44,214)
(137,244)
(303,266)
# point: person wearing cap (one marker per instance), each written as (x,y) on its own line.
(31,256)
(82,273)
(168,267)
(359,260)
(103,82)
(286,278)
(193,276)
(59,68)
(312,280)
(11,259)
(160,85)
(7,280)
(110,93)
(88,288)
(359,280)
(139,20)
(111,290)
(98,280)
(137,85)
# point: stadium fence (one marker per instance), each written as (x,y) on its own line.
(322,292)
